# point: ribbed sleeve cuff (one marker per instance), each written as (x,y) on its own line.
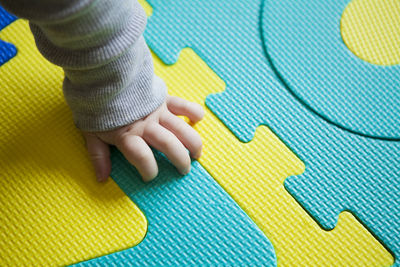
(125,110)
(115,94)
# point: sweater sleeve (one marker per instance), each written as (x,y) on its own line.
(109,79)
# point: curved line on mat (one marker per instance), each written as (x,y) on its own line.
(308,107)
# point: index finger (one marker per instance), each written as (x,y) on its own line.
(179,106)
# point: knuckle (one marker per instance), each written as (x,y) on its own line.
(142,156)
(168,142)
(124,140)
(180,126)
(149,129)
(97,156)
(186,106)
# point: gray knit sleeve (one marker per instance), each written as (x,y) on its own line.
(109,78)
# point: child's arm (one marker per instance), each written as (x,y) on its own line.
(109,81)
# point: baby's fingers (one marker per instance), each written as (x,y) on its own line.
(179,106)
(139,154)
(164,141)
(185,133)
(99,153)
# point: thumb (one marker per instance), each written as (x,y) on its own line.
(99,153)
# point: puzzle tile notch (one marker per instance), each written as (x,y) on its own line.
(298,240)
(254,95)
(239,225)
(356,174)
(253,174)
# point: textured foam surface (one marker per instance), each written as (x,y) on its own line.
(338,163)
(52,210)
(304,43)
(7,50)
(343,171)
(370,29)
(196,221)
(192,221)
(253,174)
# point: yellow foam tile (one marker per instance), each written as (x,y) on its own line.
(371,30)
(52,210)
(253,174)
(147,8)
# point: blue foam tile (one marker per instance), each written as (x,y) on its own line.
(192,222)
(5,18)
(7,50)
(352,162)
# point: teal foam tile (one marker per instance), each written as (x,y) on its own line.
(351,149)
(192,222)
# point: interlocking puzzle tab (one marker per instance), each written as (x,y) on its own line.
(7,50)
(192,221)
(253,174)
(50,197)
(354,172)
(345,171)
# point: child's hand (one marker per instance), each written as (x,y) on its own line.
(162,130)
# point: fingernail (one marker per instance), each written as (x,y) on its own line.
(100,178)
(147,179)
(185,171)
(198,155)
(150,177)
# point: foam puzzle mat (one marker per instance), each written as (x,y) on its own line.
(52,210)
(301,157)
